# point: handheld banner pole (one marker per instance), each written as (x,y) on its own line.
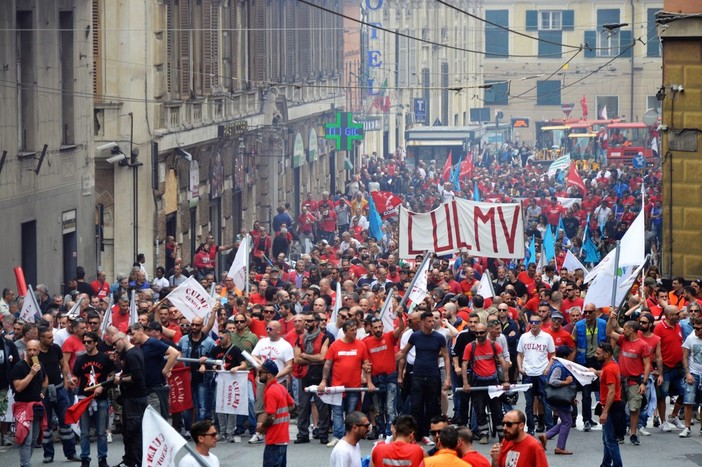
(427,255)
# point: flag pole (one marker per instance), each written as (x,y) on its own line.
(386,305)
(247,263)
(616,275)
(427,255)
(643,207)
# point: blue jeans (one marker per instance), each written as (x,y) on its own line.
(275,455)
(27,446)
(612,457)
(536,390)
(338,411)
(240,419)
(68,441)
(385,401)
(98,420)
(203,398)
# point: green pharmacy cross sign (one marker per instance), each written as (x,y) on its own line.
(344,131)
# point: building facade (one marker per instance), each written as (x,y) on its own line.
(224,103)
(680,29)
(604,54)
(46,167)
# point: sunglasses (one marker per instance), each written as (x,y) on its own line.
(644,322)
(434,432)
(534,322)
(184,325)
(480,333)
(364,425)
(698,328)
(503,309)
(239,321)
(510,424)
(94,323)
(270,329)
(88,342)
(588,312)
(269,311)
(210,434)
(309,321)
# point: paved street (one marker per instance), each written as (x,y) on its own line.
(657,450)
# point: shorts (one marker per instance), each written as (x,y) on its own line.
(258,404)
(3,403)
(673,383)
(633,398)
(693,392)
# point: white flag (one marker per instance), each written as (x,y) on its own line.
(160,441)
(599,292)
(632,250)
(419,289)
(74,312)
(191,299)
(133,312)
(107,318)
(338,299)
(571,262)
(237,271)
(30,308)
(581,373)
(603,113)
(497,391)
(387,315)
(232,394)
(333,395)
(485,288)
(562,163)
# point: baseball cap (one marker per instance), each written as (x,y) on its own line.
(270,367)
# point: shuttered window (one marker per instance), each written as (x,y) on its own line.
(97,51)
(184,64)
(496,39)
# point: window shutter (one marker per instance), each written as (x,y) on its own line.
(275,38)
(590,44)
(184,33)
(546,49)
(97,51)
(258,42)
(568,19)
(496,39)
(169,46)
(210,45)
(290,36)
(653,42)
(303,34)
(234,55)
(532,20)
(625,46)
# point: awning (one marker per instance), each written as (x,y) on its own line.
(435,142)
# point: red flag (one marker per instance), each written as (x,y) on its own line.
(74,412)
(386,203)
(467,166)
(180,397)
(583,104)
(575,180)
(446,174)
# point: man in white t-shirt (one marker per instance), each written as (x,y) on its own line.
(205,435)
(692,362)
(534,352)
(347,452)
(277,349)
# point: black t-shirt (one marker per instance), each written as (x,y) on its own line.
(154,351)
(32,393)
(463,338)
(233,356)
(134,367)
(7,361)
(91,370)
(51,363)
(84,287)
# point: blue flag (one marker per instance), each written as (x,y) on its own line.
(454,178)
(476,191)
(374,221)
(562,227)
(531,252)
(549,244)
(590,249)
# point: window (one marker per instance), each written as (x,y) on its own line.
(607,41)
(550,20)
(549,44)
(496,39)
(607,105)
(548,92)
(653,42)
(497,93)
(653,103)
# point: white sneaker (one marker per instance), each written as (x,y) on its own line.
(257,438)
(109,436)
(644,432)
(428,441)
(676,423)
(332,443)
(685,433)
(666,427)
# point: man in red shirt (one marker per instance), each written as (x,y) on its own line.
(403,450)
(381,347)
(612,417)
(518,449)
(347,355)
(466,451)
(572,298)
(527,277)
(672,375)
(553,212)
(100,285)
(120,314)
(276,424)
(560,335)
(635,365)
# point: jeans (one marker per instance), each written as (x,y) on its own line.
(275,455)
(98,420)
(305,409)
(425,402)
(458,397)
(612,457)
(27,447)
(252,413)
(385,401)
(132,416)
(203,398)
(562,429)
(589,389)
(68,441)
(536,390)
(482,400)
(347,406)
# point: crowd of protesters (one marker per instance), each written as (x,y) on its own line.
(443,347)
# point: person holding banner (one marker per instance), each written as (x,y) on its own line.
(198,345)
(233,361)
(91,369)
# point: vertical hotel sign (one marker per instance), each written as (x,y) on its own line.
(298,151)
(374,57)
